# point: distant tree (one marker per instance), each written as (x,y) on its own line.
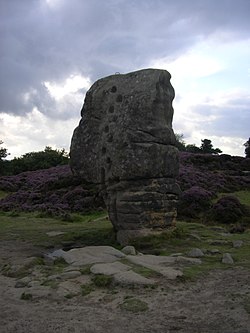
(39,160)
(207,147)
(180,143)
(3,163)
(3,152)
(247,149)
(192,148)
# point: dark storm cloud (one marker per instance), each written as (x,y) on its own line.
(95,38)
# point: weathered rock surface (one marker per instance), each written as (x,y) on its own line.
(109,268)
(108,261)
(237,244)
(131,278)
(227,259)
(90,255)
(195,253)
(125,145)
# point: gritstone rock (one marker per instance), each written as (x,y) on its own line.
(125,145)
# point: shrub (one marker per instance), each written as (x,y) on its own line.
(101,280)
(194,201)
(134,305)
(227,209)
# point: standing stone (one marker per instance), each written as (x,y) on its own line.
(126,146)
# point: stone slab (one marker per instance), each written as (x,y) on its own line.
(91,255)
(109,268)
(132,278)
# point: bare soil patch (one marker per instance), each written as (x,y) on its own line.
(218,302)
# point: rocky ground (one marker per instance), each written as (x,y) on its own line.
(40,293)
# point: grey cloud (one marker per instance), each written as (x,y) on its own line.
(232,120)
(98,38)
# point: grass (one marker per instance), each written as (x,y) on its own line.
(101,280)
(96,229)
(21,271)
(87,289)
(3,194)
(26,296)
(134,305)
(89,229)
(243,196)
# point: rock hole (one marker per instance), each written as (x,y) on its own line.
(102,175)
(119,98)
(113,89)
(110,138)
(108,160)
(111,109)
(104,150)
(106,129)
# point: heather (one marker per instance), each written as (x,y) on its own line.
(54,191)
(202,177)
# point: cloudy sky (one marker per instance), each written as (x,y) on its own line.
(53,50)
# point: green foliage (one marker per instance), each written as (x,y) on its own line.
(26,296)
(207,147)
(134,305)
(29,227)
(157,241)
(87,289)
(3,163)
(85,270)
(3,194)
(192,148)
(38,160)
(101,280)
(3,152)
(247,149)
(180,143)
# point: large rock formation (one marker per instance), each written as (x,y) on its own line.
(125,145)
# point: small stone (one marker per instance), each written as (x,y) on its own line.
(213,251)
(176,254)
(54,233)
(159,264)
(109,268)
(129,250)
(68,289)
(227,259)
(237,243)
(70,275)
(132,278)
(21,284)
(195,253)
(194,236)
(32,284)
(218,242)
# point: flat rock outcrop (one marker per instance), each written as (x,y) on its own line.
(125,145)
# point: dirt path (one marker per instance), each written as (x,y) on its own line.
(218,303)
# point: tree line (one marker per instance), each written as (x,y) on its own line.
(205,148)
(52,157)
(32,161)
